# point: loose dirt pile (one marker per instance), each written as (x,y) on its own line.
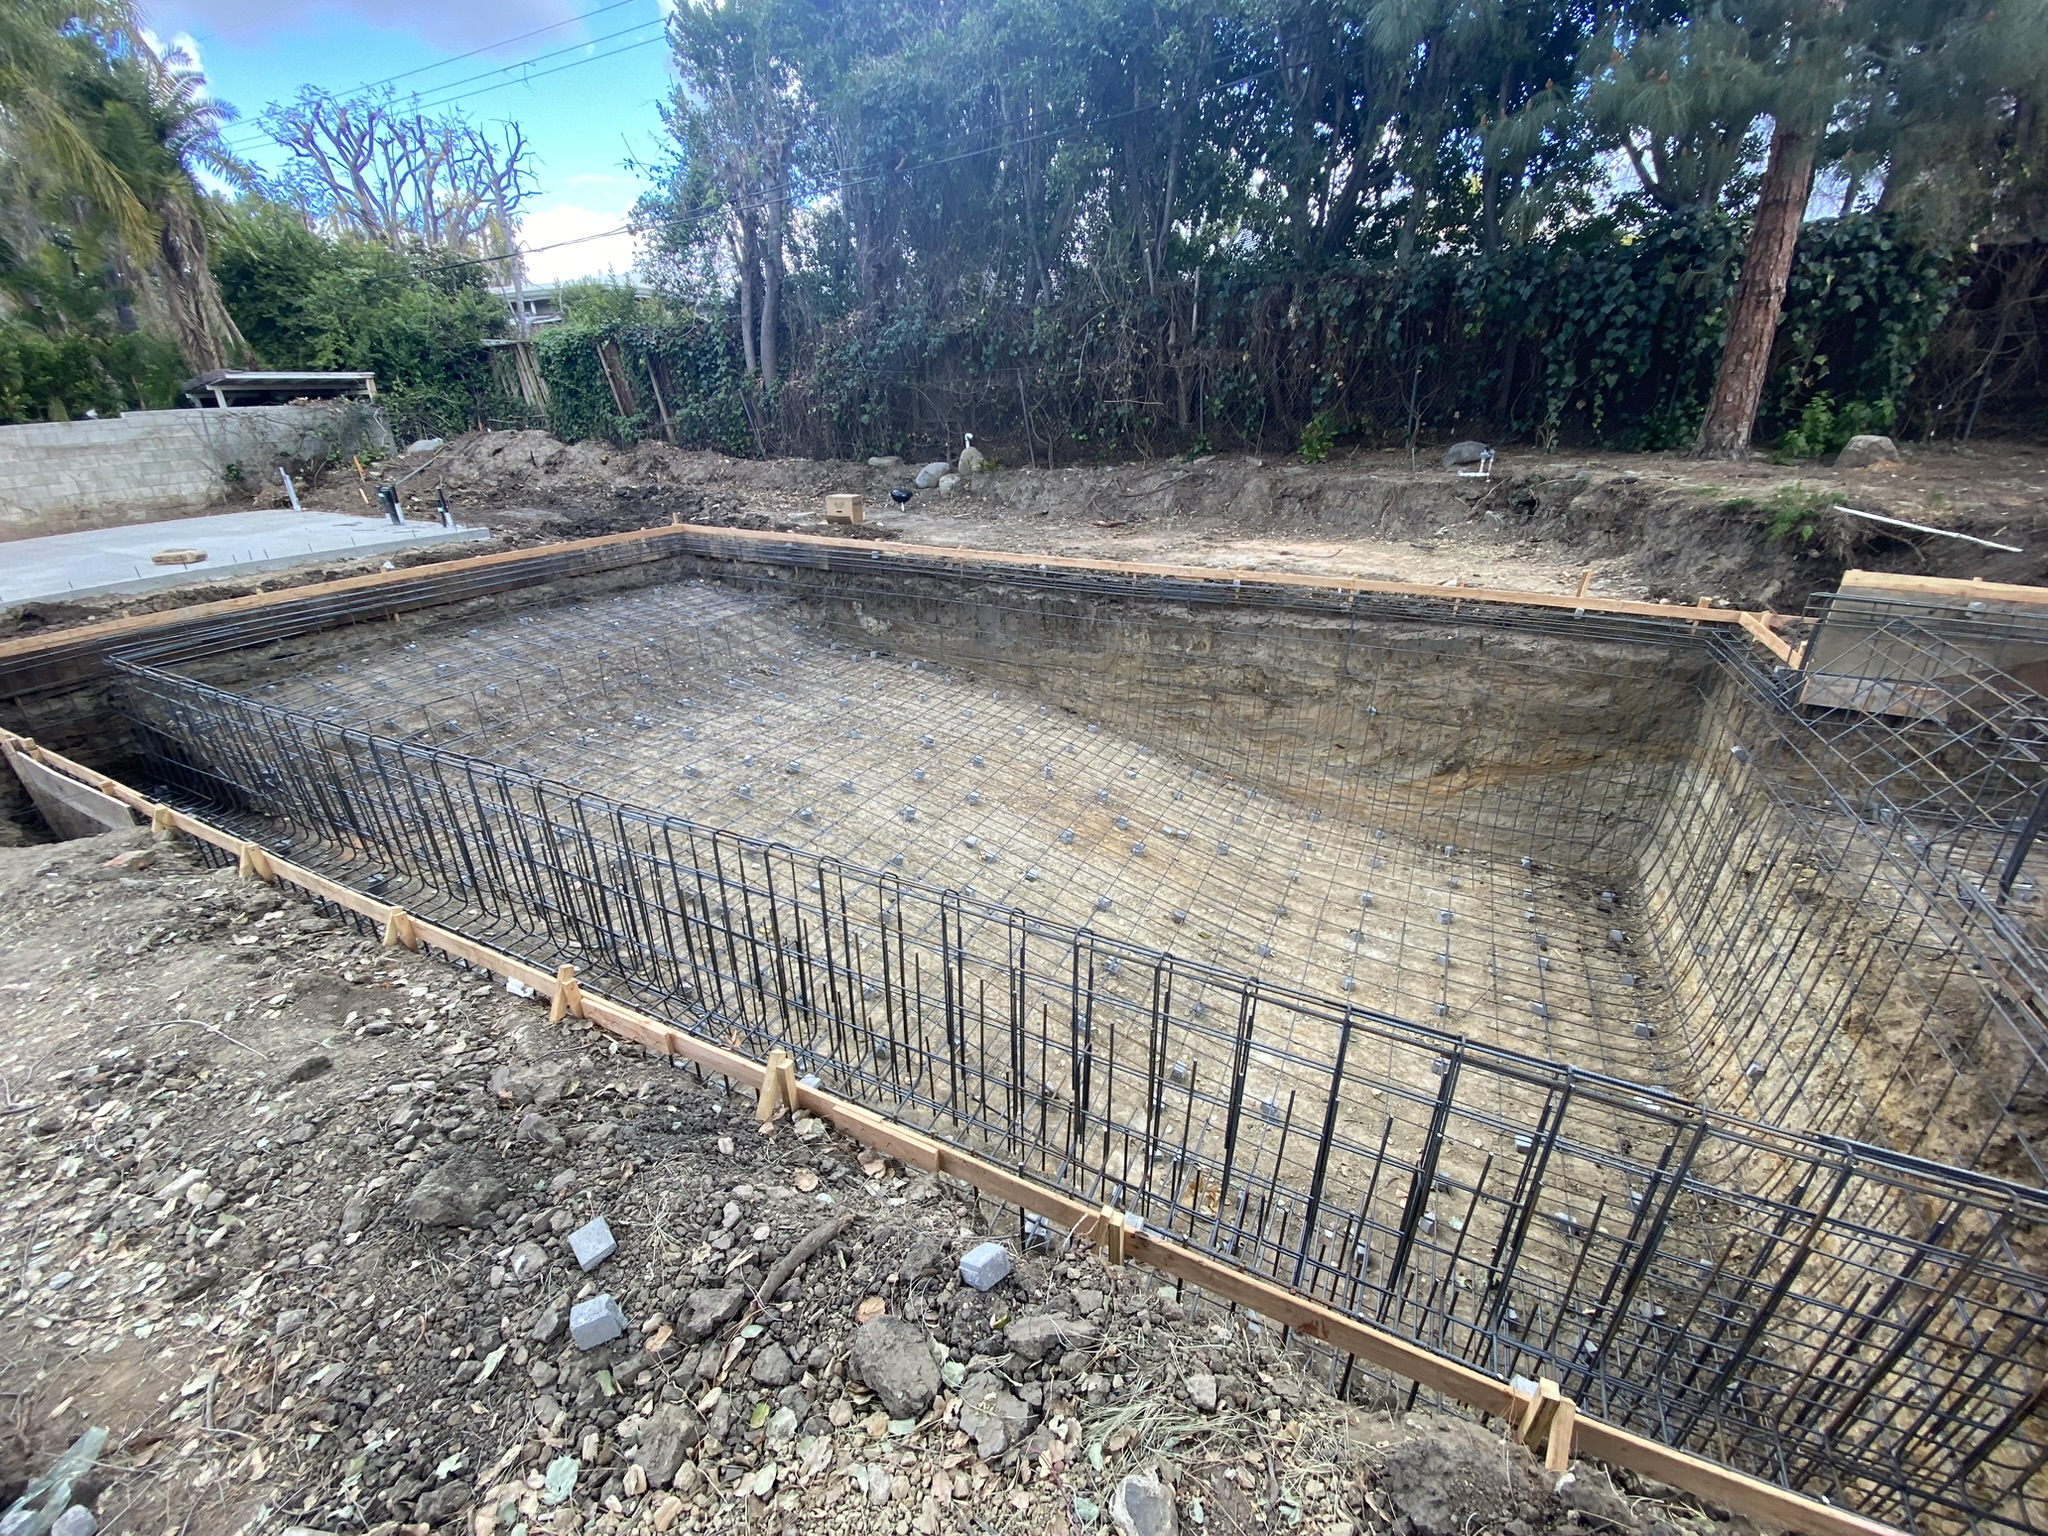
(289,1216)
(1657,526)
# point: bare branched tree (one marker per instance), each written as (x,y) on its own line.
(379,168)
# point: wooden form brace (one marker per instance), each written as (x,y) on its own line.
(1547,1414)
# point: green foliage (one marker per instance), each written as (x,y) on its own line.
(306,302)
(1794,512)
(1317,438)
(1823,430)
(57,377)
(674,359)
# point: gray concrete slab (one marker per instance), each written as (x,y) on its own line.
(107,560)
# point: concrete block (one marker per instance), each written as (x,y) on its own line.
(984,1266)
(596,1321)
(592,1243)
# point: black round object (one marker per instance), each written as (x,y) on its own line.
(900,495)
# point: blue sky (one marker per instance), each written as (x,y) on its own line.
(585,86)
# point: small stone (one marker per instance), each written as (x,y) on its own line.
(773,1367)
(893,1358)
(1866,449)
(75,1521)
(547,1327)
(1039,1337)
(666,1513)
(1202,1392)
(705,1312)
(672,1431)
(592,1243)
(133,860)
(290,1322)
(636,1481)
(453,1195)
(595,1321)
(991,1416)
(306,1068)
(984,1266)
(1458,454)
(1142,1506)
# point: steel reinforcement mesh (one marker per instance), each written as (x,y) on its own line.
(1824,1312)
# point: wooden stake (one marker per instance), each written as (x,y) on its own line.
(1540,1410)
(778,1086)
(1557,1451)
(400,931)
(255,864)
(568,999)
(1585,580)
(1113,1232)
(160,821)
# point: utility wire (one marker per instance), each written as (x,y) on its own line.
(433,99)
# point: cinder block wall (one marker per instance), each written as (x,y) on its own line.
(62,476)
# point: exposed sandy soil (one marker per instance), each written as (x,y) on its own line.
(1644,525)
(288,1218)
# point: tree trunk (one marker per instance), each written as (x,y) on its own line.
(746,264)
(1759,295)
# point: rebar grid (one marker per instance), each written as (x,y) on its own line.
(1832,1315)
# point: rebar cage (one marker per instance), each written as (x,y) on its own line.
(1392,949)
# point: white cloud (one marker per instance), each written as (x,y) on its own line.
(180,51)
(597,250)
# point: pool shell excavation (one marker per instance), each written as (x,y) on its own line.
(1394,947)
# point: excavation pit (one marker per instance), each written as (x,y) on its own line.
(1626,1073)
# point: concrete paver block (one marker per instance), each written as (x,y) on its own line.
(592,1243)
(596,1321)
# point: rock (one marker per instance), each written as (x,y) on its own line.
(984,1266)
(1202,1392)
(547,1327)
(1142,1506)
(1591,1492)
(929,475)
(991,1417)
(972,460)
(673,1430)
(592,1243)
(307,1068)
(705,1312)
(1866,449)
(886,461)
(1466,452)
(529,1260)
(666,1513)
(950,484)
(773,1367)
(290,1322)
(1036,1338)
(894,1358)
(128,863)
(1447,1479)
(596,1321)
(442,1503)
(75,1521)
(453,1195)
(354,1217)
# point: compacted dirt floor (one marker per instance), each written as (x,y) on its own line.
(288,1216)
(1662,526)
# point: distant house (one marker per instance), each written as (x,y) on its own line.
(541,303)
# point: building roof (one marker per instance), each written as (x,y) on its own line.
(222,386)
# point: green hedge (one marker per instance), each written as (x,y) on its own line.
(52,378)
(700,380)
